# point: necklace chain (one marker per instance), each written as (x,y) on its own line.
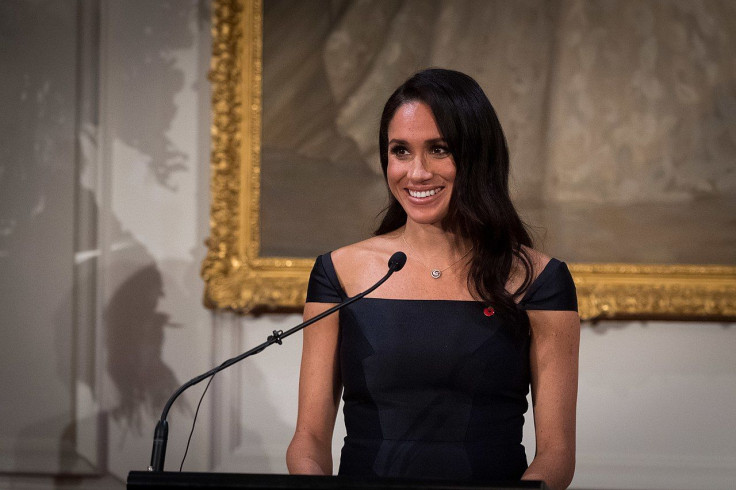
(434,272)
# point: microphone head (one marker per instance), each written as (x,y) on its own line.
(397,261)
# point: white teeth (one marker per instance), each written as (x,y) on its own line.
(423,193)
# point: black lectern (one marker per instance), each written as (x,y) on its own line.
(151,480)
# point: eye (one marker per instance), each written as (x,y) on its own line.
(399,151)
(439,151)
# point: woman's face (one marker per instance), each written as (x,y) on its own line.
(421,170)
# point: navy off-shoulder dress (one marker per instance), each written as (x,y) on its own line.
(435,388)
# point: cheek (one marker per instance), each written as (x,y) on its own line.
(451,177)
(453,169)
(450,172)
(394,174)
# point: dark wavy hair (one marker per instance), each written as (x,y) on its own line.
(480,206)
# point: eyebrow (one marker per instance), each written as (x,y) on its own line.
(404,142)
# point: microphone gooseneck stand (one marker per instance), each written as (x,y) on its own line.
(161,433)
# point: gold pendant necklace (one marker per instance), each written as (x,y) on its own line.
(434,272)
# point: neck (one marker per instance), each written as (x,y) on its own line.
(434,242)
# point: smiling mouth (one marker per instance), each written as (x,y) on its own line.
(424,194)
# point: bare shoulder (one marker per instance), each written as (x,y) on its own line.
(363,253)
(360,264)
(538,260)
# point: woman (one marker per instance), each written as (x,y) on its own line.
(437,362)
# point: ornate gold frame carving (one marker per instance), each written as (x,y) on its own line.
(239,279)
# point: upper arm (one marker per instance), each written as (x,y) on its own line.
(555,340)
(319,379)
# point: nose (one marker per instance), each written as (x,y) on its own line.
(418,171)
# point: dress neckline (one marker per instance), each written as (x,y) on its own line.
(330,266)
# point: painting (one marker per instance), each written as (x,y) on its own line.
(620,129)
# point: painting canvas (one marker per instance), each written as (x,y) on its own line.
(620,119)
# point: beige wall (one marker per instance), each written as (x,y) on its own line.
(103,185)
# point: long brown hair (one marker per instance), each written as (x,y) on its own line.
(481,210)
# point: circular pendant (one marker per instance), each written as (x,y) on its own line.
(436,273)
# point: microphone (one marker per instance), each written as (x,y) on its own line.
(397,261)
(161,433)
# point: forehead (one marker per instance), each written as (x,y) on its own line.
(413,120)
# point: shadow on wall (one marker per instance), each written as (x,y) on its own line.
(135,332)
(145,48)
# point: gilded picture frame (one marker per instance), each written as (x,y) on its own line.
(238,278)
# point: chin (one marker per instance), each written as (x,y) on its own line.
(426,219)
